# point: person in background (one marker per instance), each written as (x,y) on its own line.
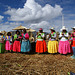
(52,44)
(73,43)
(2,44)
(9,42)
(64,45)
(25,46)
(40,43)
(70,41)
(17,44)
(33,45)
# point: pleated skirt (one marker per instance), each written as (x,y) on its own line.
(64,47)
(8,46)
(17,46)
(25,46)
(41,46)
(52,47)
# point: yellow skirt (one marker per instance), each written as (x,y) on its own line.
(52,47)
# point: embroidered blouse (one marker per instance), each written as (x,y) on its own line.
(9,38)
(53,36)
(63,37)
(40,36)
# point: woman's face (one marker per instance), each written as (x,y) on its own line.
(17,32)
(40,31)
(9,34)
(74,30)
(64,31)
(24,31)
(52,31)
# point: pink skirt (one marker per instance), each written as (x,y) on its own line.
(64,47)
(8,46)
(17,46)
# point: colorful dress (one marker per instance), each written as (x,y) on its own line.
(73,44)
(53,44)
(64,45)
(25,46)
(16,45)
(41,44)
(9,45)
(2,44)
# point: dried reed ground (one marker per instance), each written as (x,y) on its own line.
(43,64)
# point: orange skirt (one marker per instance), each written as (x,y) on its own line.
(41,46)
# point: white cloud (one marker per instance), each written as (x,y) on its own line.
(8,26)
(1,17)
(33,12)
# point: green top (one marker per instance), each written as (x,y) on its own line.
(52,34)
(40,36)
(15,36)
(64,33)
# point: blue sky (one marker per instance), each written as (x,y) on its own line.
(9,12)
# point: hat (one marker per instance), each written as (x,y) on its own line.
(63,28)
(40,29)
(0,32)
(52,28)
(73,27)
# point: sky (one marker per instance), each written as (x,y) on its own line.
(37,14)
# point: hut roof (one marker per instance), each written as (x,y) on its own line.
(31,30)
(20,28)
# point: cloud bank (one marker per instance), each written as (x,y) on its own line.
(33,12)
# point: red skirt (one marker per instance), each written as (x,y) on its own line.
(73,43)
(41,46)
(17,46)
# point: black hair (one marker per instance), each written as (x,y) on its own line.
(53,30)
(41,31)
(64,30)
(9,34)
(18,32)
(24,31)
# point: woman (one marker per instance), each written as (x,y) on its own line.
(9,45)
(25,46)
(52,44)
(17,45)
(64,45)
(73,42)
(41,44)
(2,43)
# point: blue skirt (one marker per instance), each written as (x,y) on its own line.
(25,46)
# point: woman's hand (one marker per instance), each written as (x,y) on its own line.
(63,34)
(49,35)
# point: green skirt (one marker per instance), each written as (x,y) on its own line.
(2,47)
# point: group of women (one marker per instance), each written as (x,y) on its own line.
(20,42)
(17,43)
(62,47)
